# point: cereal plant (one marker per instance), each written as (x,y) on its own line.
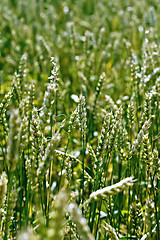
(79,119)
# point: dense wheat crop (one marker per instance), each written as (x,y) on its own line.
(79,119)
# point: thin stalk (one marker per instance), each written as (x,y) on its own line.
(41,197)
(129,224)
(48,192)
(21,190)
(99,211)
(93,206)
(158,197)
(83,152)
(10,178)
(26,210)
(156,207)
(62,166)
(45,195)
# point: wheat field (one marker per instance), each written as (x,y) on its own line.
(79,119)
